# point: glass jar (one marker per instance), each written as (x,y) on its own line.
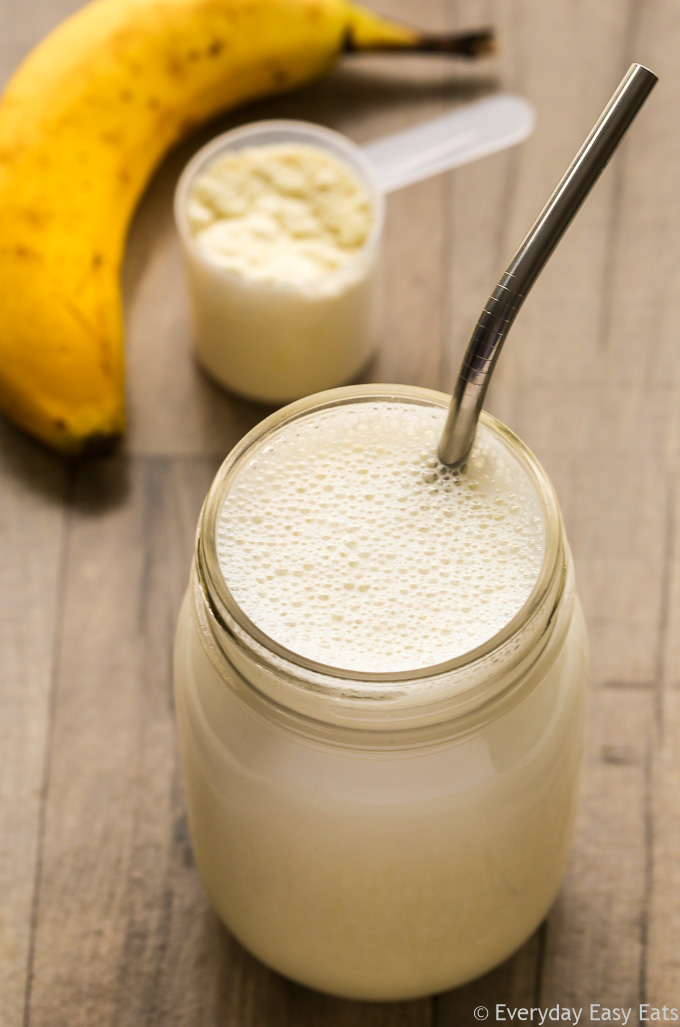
(381,836)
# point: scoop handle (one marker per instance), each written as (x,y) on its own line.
(456,138)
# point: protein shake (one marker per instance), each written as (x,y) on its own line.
(380,668)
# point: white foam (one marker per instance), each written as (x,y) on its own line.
(344,539)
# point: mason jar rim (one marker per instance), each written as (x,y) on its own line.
(371,696)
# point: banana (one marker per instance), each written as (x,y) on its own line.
(83,123)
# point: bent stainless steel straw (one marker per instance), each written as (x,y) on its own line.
(501,309)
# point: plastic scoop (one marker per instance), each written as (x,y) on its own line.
(276,339)
(456,138)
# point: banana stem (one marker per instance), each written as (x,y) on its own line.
(479,43)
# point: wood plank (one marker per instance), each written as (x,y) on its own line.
(117,874)
(629,542)
(596,936)
(617,432)
(415,252)
(662,957)
(661,971)
(32,514)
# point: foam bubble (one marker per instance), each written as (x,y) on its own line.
(344,538)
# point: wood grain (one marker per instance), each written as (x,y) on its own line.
(596,935)
(32,517)
(115,859)
(103,919)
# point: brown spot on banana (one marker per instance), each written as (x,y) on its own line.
(175,67)
(26,253)
(37,218)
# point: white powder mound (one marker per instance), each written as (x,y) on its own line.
(286,212)
(344,539)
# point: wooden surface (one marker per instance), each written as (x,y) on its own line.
(102,919)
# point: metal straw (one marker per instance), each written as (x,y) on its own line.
(501,309)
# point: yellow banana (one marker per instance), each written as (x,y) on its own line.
(83,123)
